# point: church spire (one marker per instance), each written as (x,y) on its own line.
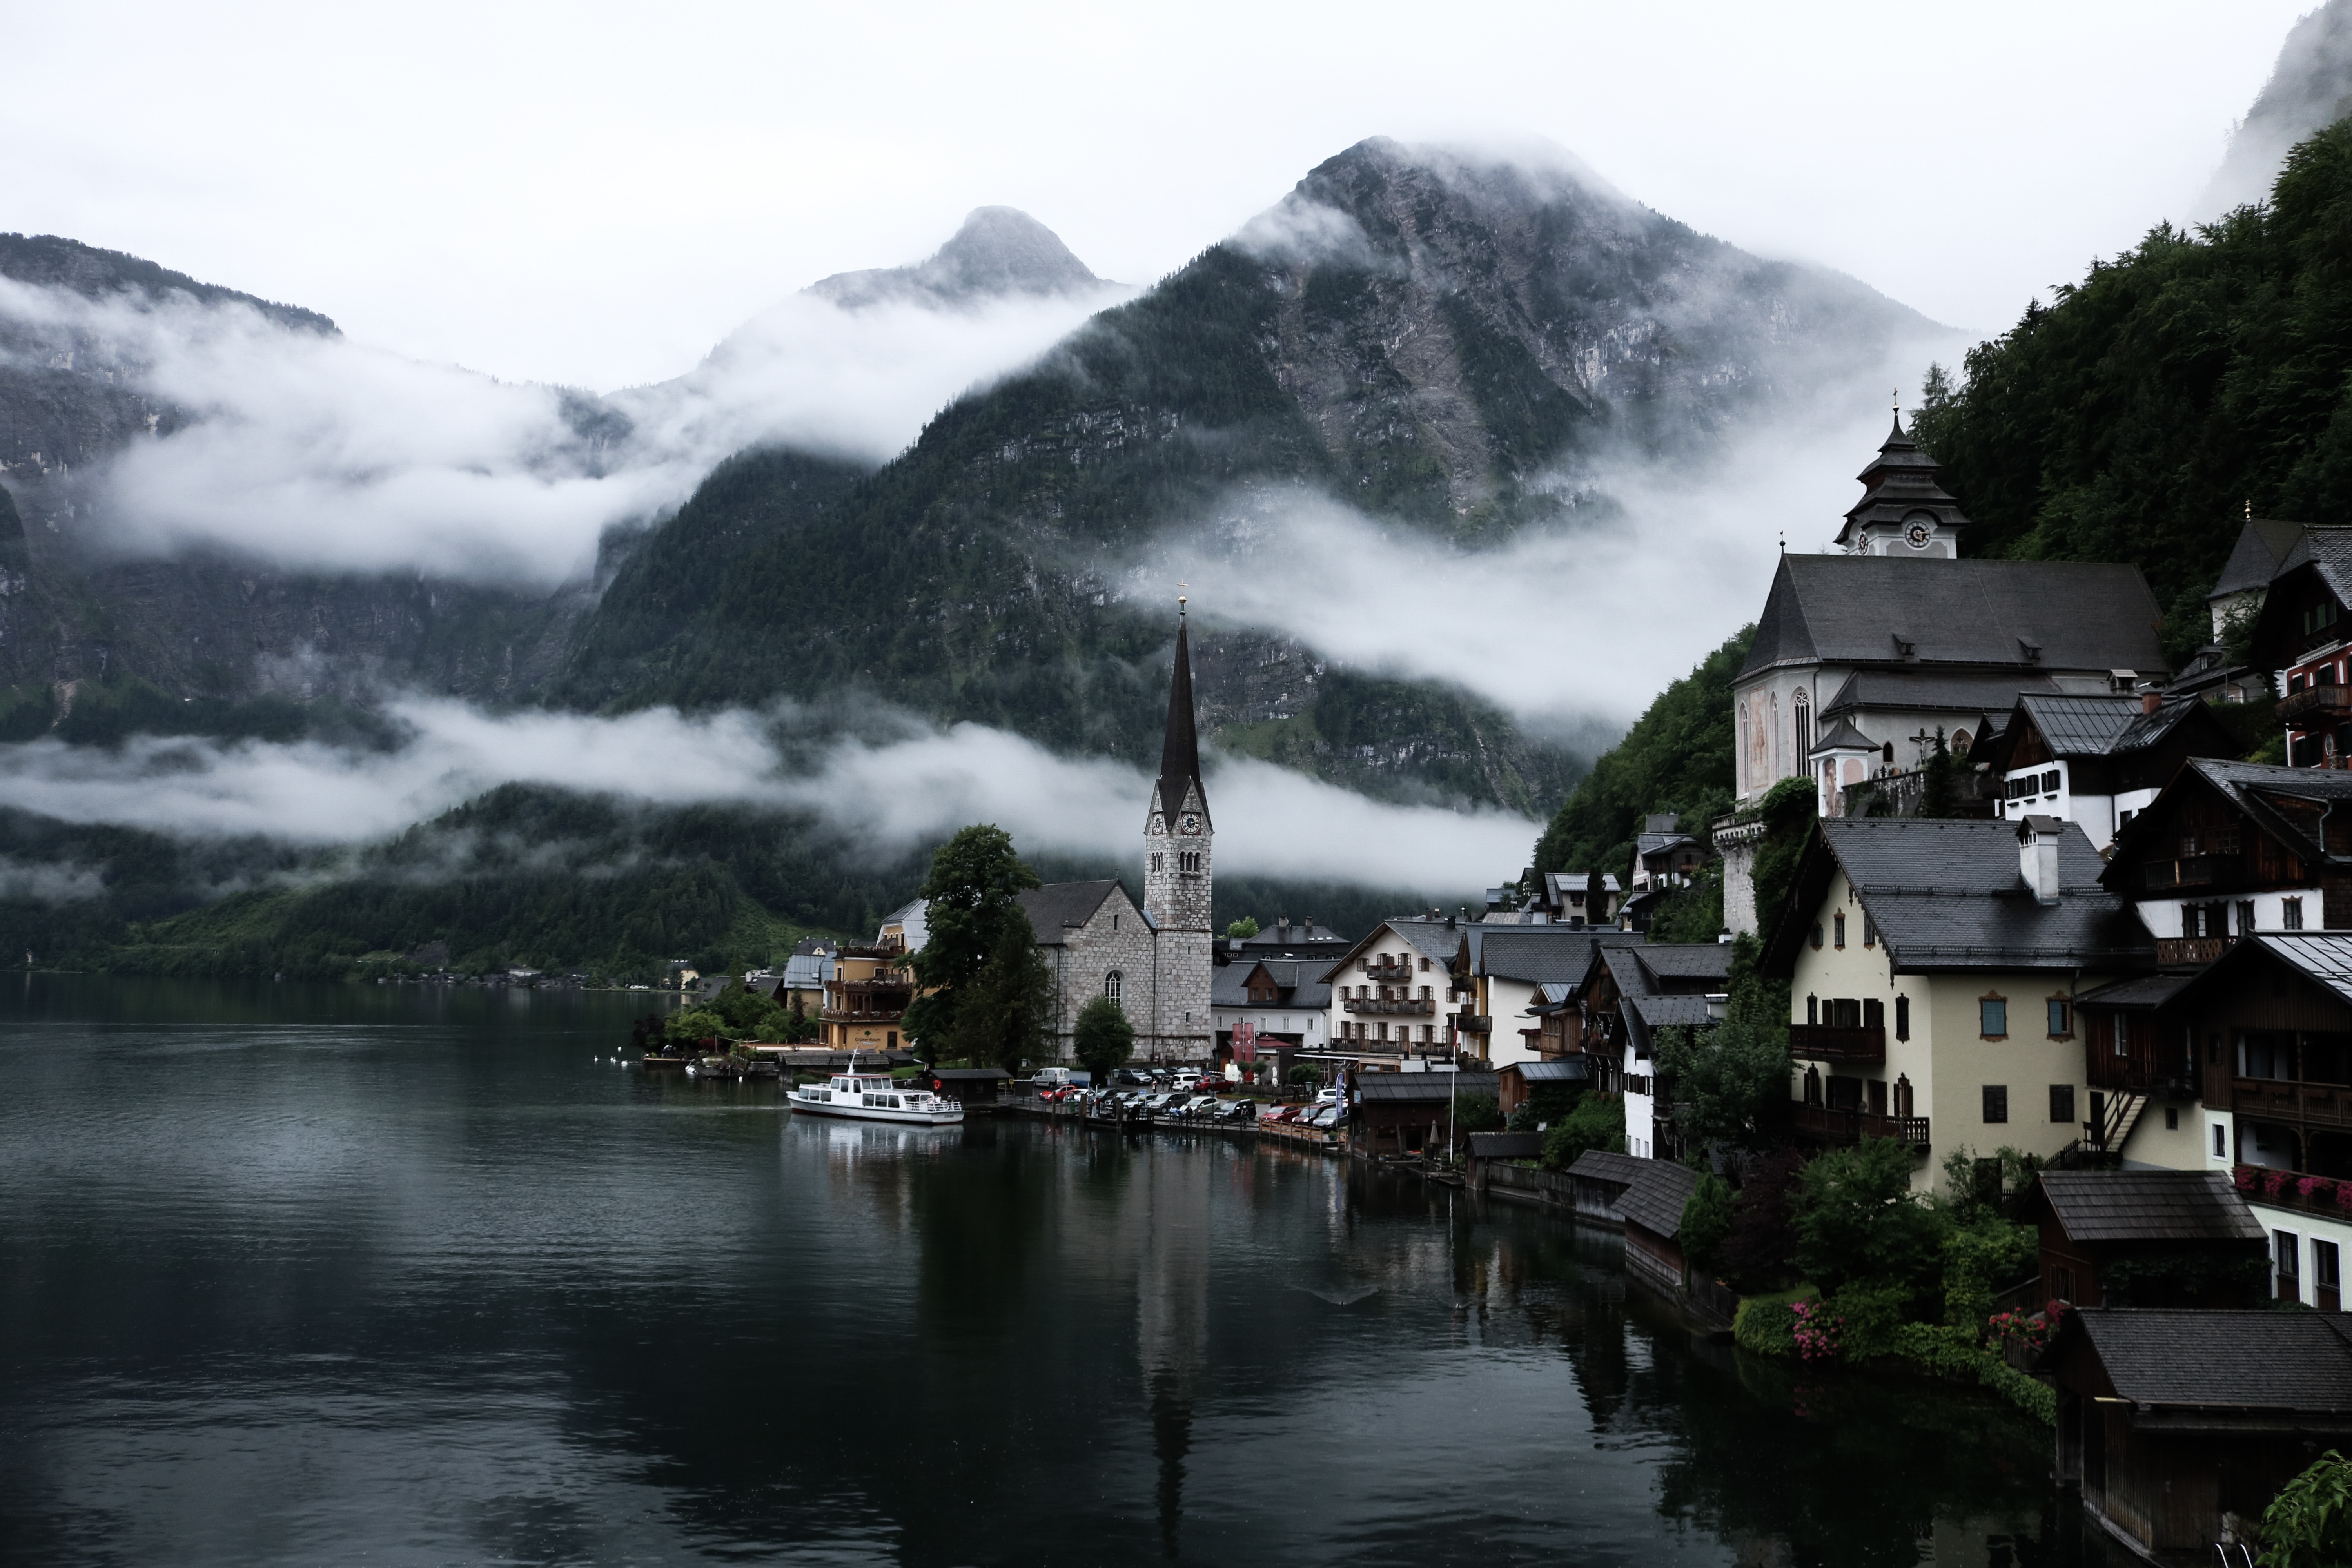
(1180,751)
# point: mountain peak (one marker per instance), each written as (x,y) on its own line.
(2310,88)
(998,251)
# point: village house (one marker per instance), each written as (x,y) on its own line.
(1412,1112)
(1665,859)
(1270,1007)
(2096,762)
(866,999)
(1565,896)
(1503,969)
(2303,629)
(2230,849)
(801,987)
(2179,1426)
(1933,968)
(2262,547)
(1630,992)
(1392,994)
(906,928)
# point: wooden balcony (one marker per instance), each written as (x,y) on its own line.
(1823,1042)
(2319,702)
(1473,1023)
(1378,970)
(2191,871)
(2190,952)
(2322,1105)
(1420,1005)
(1833,1126)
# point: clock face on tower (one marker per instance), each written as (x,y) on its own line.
(1192,824)
(1916,536)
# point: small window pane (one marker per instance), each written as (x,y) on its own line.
(1902,1017)
(2061,1024)
(1996,1102)
(2062,1103)
(1993,1017)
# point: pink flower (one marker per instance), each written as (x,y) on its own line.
(2310,1184)
(2244,1176)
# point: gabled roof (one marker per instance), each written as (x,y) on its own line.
(1842,737)
(2141,992)
(1686,960)
(2033,617)
(2076,727)
(2263,544)
(1059,905)
(1949,895)
(1539,953)
(2149,1205)
(1424,1088)
(2329,552)
(1565,1070)
(2322,958)
(1298,983)
(2287,1363)
(1439,940)
(1654,1199)
(1964,696)
(2255,789)
(1607,1165)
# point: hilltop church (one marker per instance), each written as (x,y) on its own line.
(1155,961)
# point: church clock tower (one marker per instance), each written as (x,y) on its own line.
(1176,848)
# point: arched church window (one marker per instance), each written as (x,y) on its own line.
(1113,984)
(1961,743)
(1802,709)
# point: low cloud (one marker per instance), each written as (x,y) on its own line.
(62,883)
(1572,626)
(903,789)
(315,452)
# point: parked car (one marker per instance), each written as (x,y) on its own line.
(1127,1077)
(1325,1119)
(1198,1105)
(1286,1114)
(1237,1110)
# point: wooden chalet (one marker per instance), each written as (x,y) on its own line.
(2304,628)
(2230,849)
(2154,1231)
(1598,1179)
(2176,1424)
(2096,760)
(1651,1206)
(1523,1082)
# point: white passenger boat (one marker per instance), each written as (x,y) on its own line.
(876,1096)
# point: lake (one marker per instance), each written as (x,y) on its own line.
(340,1274)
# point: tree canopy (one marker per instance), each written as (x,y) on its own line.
(987,994)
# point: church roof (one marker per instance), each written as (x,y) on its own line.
(1180,750)
(1899,483)
(1059,905)
(2029,616)
(2263,545)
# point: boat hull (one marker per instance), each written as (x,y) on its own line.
(847,1112)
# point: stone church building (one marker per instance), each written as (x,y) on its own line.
(1155,961)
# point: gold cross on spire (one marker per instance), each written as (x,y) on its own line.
(1180,598)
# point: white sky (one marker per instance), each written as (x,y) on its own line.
(595,192)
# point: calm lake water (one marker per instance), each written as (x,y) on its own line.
(375,1275)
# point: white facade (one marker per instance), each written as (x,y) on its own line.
(2045,790)
(1391,998)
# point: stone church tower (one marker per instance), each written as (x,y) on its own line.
(1178,840)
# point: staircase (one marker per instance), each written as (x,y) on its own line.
(2122,1109)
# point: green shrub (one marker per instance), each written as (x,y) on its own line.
(1979,1261)
(1874,1311)
(1857,1219)
(1765,1325)
(1597,1122)
(2309,1523)
(1706,1220)
(688,1028)
(1477,1113)
(1954,1353)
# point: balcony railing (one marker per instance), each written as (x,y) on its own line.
(2319,701)
(2191,870)
(1379,971)
(1473,1023)
(1422,1006)
(1838,1126)
(2184,951)
(1826,1043)
(2313,1104)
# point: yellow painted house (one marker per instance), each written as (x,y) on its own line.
(1933,968)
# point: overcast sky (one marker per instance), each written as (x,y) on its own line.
(595,192)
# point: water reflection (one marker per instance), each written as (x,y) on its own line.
(417,1278)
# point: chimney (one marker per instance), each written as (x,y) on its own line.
(2037,856)
(2149,702)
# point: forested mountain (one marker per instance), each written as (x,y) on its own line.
(2140,416)
(1445,345)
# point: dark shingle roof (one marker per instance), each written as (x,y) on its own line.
(1963,696)
(2140,991)
(1299,983)
(2287,1362)
(1059,904)
(1567,1069)
(1608,1165)
(1851,608)
(1506,1145)
(1686,960)
(1655,1200)
(2253,788)
(1843,737)
(1666,1011)
(2329,548)
(2149,1205)
(2263,545)
(1420,1087)
(1949,895)
(1538,954)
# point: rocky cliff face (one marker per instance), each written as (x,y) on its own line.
(2310,88)
(1444,343)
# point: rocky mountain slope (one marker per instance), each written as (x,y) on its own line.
(1448,344)
(999,251)
(2310,87)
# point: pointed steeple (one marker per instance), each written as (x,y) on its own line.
(1180,751)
